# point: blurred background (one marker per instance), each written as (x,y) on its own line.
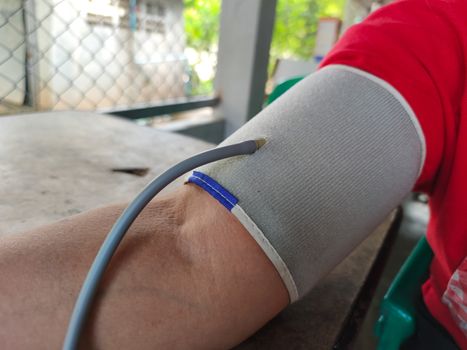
(117,56)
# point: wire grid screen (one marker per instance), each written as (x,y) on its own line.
(92,55)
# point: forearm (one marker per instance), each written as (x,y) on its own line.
(186,276)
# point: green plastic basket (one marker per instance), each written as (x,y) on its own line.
(397,313)
(281,88)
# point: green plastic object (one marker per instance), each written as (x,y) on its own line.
(281,88)
(397,313)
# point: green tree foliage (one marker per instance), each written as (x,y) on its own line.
(202,23)
(294,31)
(296,24)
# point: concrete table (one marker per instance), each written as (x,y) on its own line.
(54,165)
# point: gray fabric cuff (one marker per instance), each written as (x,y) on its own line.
(343,149)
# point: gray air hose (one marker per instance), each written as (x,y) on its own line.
(121,226)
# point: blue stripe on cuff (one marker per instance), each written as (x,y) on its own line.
(210,185)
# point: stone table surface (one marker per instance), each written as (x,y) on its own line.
(53,165)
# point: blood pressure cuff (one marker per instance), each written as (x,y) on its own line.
(342,150)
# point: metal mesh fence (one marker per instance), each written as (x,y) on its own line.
(93,55)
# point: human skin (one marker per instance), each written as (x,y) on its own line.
(186,276)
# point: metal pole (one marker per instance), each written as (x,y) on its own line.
(244,41)
(31,96)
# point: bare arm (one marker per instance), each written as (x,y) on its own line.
(187,276)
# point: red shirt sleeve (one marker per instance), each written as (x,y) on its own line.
(417,46)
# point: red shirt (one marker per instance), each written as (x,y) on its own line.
(420,48)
